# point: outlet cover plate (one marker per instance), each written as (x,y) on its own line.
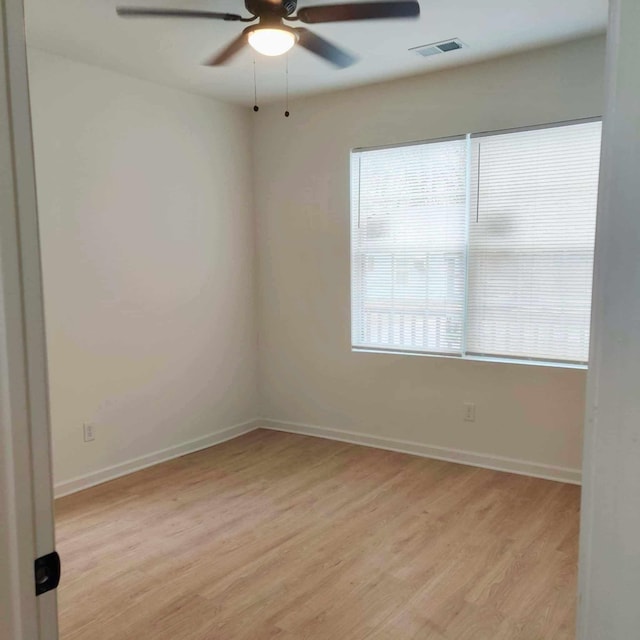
(469,412)
(88,432)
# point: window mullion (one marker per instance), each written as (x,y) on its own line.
(466,246)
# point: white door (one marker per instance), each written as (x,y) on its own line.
(26,505)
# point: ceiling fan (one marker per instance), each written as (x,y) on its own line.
(272,37)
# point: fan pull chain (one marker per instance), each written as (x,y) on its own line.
(286,112)
(255,87)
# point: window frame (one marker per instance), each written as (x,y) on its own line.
(564,364)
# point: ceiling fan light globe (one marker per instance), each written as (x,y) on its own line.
(271,42)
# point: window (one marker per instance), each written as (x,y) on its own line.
(477,246)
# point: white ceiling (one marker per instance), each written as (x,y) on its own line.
(170,51)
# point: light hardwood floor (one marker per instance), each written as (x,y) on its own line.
(282,536)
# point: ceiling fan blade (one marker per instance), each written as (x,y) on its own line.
(228,52)
(145,12)
(323,48)
(359,11)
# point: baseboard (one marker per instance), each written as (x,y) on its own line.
(135,464)
(486,461)
(498,463)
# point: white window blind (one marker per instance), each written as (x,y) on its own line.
(479,246)
(531,240)
(408,247)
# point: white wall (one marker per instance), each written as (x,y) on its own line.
(308,373)
(145,198)
(609,581)
(148,254)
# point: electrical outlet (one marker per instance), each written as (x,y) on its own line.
(469,412)
(88,432)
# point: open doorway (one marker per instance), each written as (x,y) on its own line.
(152,335)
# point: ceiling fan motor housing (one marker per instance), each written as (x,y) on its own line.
(275,8)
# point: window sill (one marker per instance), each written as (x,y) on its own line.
(536,363)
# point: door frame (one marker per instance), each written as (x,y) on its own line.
(609,563)
(26,494)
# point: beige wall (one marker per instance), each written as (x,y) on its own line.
(308,373)
(145,197)
(148,256)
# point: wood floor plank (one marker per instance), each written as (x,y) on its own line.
(282,536)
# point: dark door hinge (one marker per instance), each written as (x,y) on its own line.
(46,571)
